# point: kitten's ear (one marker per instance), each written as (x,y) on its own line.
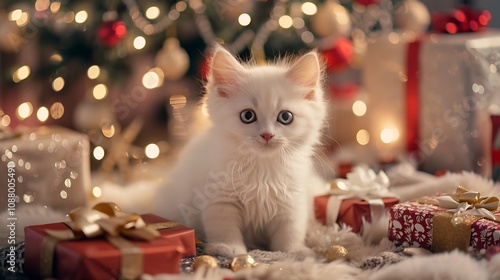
(306,72)
(225,70)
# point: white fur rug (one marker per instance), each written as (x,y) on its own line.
(371,243)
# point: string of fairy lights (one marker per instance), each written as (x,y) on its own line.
(155,19)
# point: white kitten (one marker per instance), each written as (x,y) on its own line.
(243,182)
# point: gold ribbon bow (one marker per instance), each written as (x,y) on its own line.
(463,208)
(469,202)
(104,219)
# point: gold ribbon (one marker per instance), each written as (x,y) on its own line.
(105,219)
(469,202)
(451,229)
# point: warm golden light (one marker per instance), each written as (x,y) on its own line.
(98,153)
(55,6)
(24,110)
(359,108)
(139,43)
(81,16)
(244,19)
(20,74)
(42,5)
(389,135)
(178,101)
(152,12)
(100,91)
(152,151)
(5,120)
(56,110)
(151,79)
(56,58)
(181,6)
(93,72)
(96,191)
(42,114)
(23,20)
(15,15)
(363,137)
(309,8)
(285,21)
(58,84)
(108,130)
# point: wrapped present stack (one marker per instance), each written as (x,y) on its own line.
(104,242)
(363,196)
(439,88)
(50,165)
(441,223)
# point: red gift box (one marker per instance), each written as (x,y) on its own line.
(413,223)
(352,211)
(97,259)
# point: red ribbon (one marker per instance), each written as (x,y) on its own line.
(412,95)
(495,157)
(495,151)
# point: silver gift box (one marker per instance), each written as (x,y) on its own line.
(458,84)
(47,166)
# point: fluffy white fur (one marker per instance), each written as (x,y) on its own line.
(275,265)
(238,189)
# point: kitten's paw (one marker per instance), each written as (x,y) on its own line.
(224,249)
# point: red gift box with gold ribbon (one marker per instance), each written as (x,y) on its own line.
(146,244)
(446,222)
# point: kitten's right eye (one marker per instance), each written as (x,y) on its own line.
(248,116)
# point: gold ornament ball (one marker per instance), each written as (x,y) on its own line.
(412,15)
(206,261)
(332,19)
(336,252)
(242,261)
(172,60)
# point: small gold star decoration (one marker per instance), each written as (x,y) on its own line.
(119,148)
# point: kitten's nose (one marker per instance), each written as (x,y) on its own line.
(267,136)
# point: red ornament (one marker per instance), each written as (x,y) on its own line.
(464,19)
(338,57)
(367,2)
(112,32)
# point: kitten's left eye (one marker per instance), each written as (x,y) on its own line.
(285,117)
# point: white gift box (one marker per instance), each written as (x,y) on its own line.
(47,166)
(455,79)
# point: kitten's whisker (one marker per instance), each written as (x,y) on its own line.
(323,158)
